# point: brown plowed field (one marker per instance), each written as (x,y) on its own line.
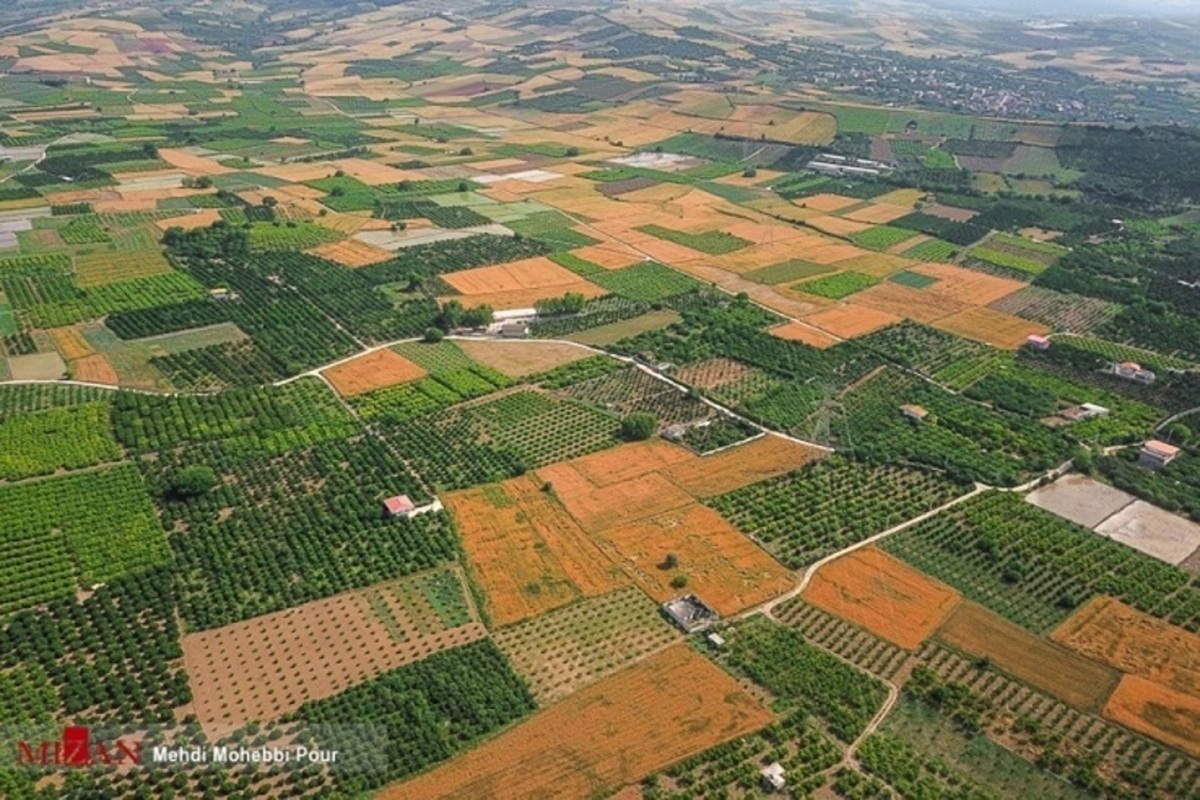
(849,320)
(526,552)
(95,368)
(878,213)
(722,566)
(69,342)
(883,595)
(603,737)
(1157,711)
(376,370)
(1108,630)
(629,461)
(765,457)
(1077,681)
(268,666)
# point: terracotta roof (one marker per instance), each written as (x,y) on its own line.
(1161,448)
(399,504)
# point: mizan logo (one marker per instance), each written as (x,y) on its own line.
(76,748)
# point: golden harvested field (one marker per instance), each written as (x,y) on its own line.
(1157,711)
(372,371)
(883,595)
(526,552)
(70,344)
(610,255)
(1004,331)
(965,285)
(919,305)
(838,226)
(518,284)
(193,165)
(371,173)
(518,358)
(200,218)
(1077,681)
(351,253)
(342,223)
(95,368)
(850,320)
(612,733)
(762,458)
(299,172)
(800,332)
(877,265)
(1107,630)
(900,197)
(597,508)
(268,666)
(827,202)
(878,213)
(722,566)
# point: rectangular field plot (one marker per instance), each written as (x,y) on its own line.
(1080,499)
(526,552)
(883,595)
(811,512)
(563,650)
(1108,631)
(266,667)
(57,438)
(1061,312)
(1033,568)
(1153,531)
(79,529)
(995,767)
(1159,712)
(1077,681)
(631,389)
(606,736)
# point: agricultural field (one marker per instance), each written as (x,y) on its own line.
(821,508)
(267,667)
(883,595)
(622,728)
(564,650)
(370,375)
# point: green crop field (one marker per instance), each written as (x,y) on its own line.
(836,286)
(711,242)
(881,237)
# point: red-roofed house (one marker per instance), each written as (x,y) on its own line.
(1156,454)
(399,506)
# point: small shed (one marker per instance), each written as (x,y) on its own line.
(715,639)
(915,413)
(1156,454)
(772,777)
(399,506)
(517,329)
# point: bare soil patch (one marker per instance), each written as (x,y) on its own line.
(1080,499)
(516,359)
